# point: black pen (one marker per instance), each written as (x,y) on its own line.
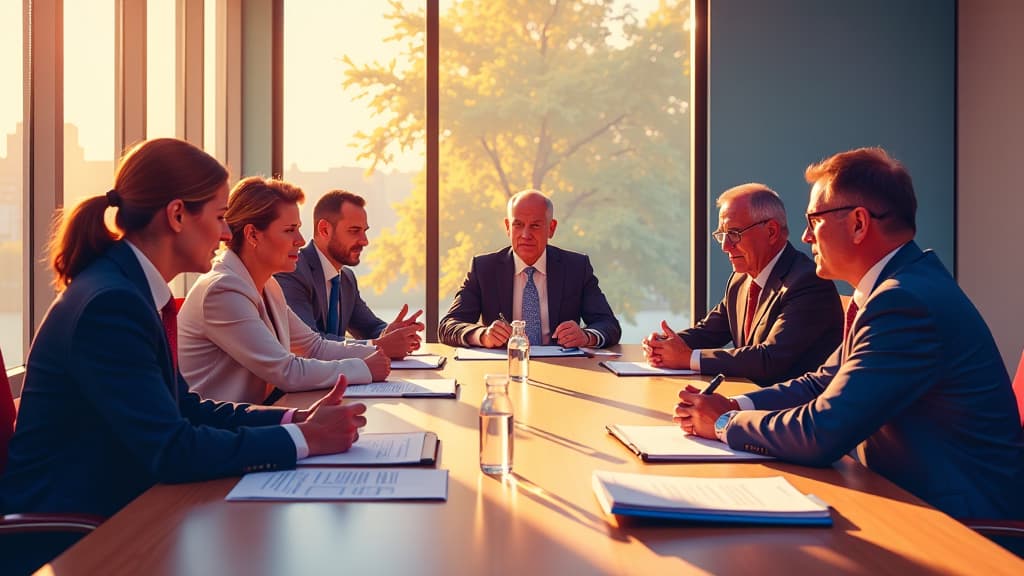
(714,384)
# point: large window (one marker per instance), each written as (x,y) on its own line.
(89,128)
(587,102)
(12,230)
(327,127)
(160,68)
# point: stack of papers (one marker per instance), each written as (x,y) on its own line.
(502,354)
(405,388)
(671,444)
(771,500)
(382,450)
(419,362)
(343,484)
(642,369)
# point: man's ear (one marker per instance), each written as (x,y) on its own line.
(506,226)
(323,228)
(860,225)
(551,231)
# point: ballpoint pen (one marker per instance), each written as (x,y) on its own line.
(714,384)
(501,316)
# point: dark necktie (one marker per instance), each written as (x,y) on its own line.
(332,305)
(851,313)
(753,293)
(531,308)
(169,316)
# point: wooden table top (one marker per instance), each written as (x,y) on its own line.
(544,519)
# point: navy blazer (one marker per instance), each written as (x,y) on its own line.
(797,324)
(306,293)
(573,294)
(918,389)
(103,414)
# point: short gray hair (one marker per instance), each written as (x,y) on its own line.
(518,195)
(765,203)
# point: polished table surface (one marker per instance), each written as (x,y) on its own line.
(544,519)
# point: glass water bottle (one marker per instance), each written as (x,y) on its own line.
(519,353)
(496,427)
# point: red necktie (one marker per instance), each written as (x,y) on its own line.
(851,313)
(752,295)
(169,315)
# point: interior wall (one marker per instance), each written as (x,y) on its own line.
(990,207)
(795,81)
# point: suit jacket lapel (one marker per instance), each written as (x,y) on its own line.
(507,274)
(556,285)
(309,257)
(773,287)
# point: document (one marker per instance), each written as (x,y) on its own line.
(419,362)
(405,388)
(382,450)
(642,369)
(502,354)
(343,484)
(771,500)
(671,444)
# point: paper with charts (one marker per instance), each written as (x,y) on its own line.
(671,444)
(419,362)
(502,354)
(621,368)
(382,449)
(771,500)
(343,484)
(405,388)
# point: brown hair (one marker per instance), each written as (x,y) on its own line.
(150,175)
(256,200)
(869,177)
(328,207)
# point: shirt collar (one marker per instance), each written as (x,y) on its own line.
(158,287)
(329,270)
(762,278)
(541,264)
(870,278)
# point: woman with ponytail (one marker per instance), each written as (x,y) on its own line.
(104,412)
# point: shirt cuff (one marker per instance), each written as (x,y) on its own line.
(359,373)
(301,448)
(598,335)
(695,361)
(288,416)
(744,402)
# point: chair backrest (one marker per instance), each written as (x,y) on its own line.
(1018,388)
(8,413)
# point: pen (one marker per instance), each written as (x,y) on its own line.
(501,317)
(714,384)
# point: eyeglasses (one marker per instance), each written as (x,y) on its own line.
(734,236)
(814,218)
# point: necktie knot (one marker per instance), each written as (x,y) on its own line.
(529,272)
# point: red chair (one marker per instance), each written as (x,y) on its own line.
(27,541)
(1008,533)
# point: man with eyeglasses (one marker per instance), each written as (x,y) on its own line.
(781,318)
(917,389)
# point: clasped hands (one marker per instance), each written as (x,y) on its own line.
(568,334)
(667,349)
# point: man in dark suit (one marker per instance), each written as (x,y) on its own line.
(339,236)
(917,388)
(782,319)
(550,288)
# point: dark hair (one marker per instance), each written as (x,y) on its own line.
(871,178)
(329,205)
(150,175)
(256,200)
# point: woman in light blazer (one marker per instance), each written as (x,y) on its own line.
(237,338)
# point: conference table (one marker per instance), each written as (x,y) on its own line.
(544,517)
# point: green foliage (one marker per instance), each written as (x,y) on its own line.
(578,99)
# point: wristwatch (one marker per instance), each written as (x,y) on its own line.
(722,423)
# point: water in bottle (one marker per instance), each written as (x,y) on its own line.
(518,353)
(496,424)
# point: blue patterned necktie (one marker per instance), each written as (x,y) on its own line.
(531,308)
(332,305)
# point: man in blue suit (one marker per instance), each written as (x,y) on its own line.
(550,288)
(917,388)
(324,269)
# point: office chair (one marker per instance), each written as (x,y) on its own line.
(1007,533)
(27,541)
